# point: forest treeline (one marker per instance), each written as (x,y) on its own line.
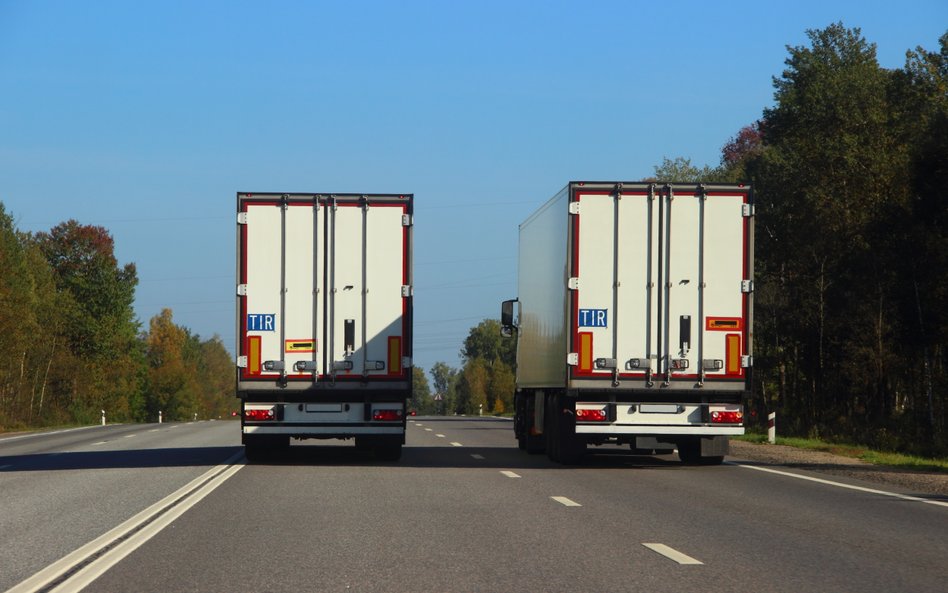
(71,346)
(850,175)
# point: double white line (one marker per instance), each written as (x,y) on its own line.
(76,570)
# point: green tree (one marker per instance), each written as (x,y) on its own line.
(832,181)
(444,379)
(472,387)
(215,379)
(680,170)
(421,400)
(484,341)
(501,385)
(99,325)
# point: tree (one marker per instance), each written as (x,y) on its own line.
(444,379)
(99,325)
(83,259)
(680,170)
(421,400)
(472,387)
(739,151)
(172,382)
(215,378)
(484,341)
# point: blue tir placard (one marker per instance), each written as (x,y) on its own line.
(261,322)
(593,318)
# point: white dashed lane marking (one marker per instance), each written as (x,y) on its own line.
(672,554)
(565,501)
(476,456)
(510,474)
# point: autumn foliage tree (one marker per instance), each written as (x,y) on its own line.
(486,381)
(70,344)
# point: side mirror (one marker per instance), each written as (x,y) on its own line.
(507,323)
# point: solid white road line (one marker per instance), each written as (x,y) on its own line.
(510,474)
(99,443)
(841,485)
(672,554)
(128,436)
(565,501)
(33,435)
(79,568)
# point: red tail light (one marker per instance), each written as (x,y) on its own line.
(583,415)
(258,415)
(387,415)
(727,417)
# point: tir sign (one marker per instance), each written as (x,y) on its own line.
(593,318)
(261,322)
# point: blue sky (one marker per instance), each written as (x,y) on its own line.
(147,117)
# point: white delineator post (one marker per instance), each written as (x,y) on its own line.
(772,428)
(103,417)
(159,417)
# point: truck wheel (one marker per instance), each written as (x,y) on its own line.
(563,446)
(533,444)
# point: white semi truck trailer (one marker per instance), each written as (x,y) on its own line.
(634,319)
(324,307)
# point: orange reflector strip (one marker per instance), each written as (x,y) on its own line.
(253,355)
(732,364)
(585,351)
(724,324)
(394,355)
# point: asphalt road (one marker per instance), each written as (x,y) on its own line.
(464,510)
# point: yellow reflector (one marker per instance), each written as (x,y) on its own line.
(253,355)
(394,355)
(733,354)
(585,351)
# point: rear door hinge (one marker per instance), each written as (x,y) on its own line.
(406,220)
(573,283)
(574,207)
(747,210)
(241,218)
(572,359)
(747,286)
(406,290)
(241,290)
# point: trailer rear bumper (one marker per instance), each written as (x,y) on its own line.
(655,430)
(327,432)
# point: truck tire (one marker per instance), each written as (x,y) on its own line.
(562,446)
(530,442)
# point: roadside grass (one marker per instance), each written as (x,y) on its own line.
(894,460)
